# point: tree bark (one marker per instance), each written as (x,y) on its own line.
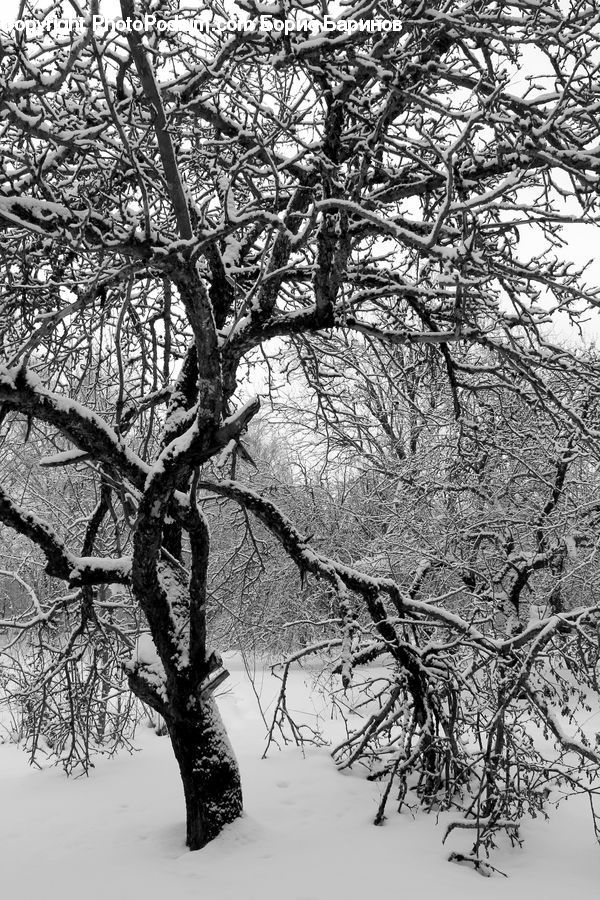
(209,772)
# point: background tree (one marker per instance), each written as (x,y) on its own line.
(178,207)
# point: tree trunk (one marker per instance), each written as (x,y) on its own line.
(209,772)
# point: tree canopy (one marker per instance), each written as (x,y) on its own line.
(386,208)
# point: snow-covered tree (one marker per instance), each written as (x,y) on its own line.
(179,205)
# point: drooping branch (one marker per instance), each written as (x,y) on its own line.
(61,563)
(23,392)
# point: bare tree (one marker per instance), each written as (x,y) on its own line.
(179,205)
(489,521)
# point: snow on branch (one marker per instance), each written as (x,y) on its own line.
(61,563)
(23,392)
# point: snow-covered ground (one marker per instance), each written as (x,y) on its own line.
(306,834)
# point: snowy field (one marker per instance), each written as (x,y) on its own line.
(306,834)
